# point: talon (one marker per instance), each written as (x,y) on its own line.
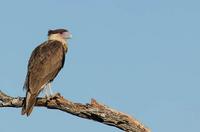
(48,97)
(57,94)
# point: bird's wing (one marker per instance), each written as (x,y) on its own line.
(44,64)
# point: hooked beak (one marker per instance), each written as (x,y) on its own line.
(67,35)
(70,36)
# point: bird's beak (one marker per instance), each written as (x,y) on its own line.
(67,35)
(70,36)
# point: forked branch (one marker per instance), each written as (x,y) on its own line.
(93,111)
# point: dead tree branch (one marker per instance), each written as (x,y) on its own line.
(93,111)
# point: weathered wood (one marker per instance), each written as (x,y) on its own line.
(93,111)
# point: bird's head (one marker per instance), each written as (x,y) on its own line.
(59,34)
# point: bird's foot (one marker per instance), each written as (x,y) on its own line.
(48,97)
(53,96)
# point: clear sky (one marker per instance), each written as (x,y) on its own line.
(140,57)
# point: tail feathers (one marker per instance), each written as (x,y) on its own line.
(28,104)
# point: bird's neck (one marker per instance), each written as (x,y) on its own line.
(57,37)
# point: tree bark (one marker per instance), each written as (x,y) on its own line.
(93,111)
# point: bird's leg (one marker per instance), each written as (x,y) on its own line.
(49,88)
(46,92)
(52,95)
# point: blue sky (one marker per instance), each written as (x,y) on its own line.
(139,57)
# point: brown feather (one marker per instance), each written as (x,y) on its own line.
(45,62)
(29,104)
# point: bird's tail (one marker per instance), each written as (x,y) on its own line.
(28,103)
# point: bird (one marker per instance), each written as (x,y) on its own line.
(45,63)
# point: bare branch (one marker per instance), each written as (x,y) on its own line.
(93,111)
